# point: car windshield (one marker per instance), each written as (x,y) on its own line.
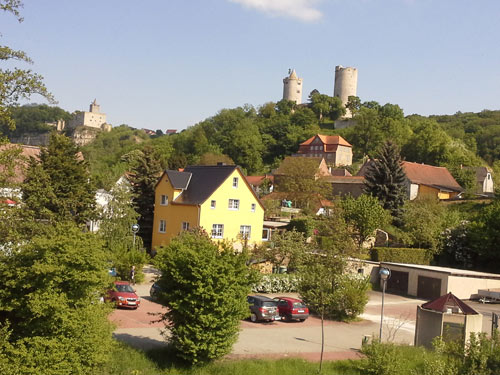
(269,304)
(298,305)
(124,288)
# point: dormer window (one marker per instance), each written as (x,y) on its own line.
(235,182)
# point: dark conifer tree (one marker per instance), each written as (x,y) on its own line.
(143,178)
(58,187)
(385,179)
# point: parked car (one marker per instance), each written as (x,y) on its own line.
(154,290)
(263,308)
(292,308)
(123,295)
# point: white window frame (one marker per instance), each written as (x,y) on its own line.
(164,200)
(253,207)
(217,230)
(212,204)
(185,225)
(162,228)
(235,182)
(233,204)
(268,231)
(246,231)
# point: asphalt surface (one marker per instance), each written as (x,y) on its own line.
(141,329)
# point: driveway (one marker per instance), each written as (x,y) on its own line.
(140,329)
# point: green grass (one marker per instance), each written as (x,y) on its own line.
(128,361)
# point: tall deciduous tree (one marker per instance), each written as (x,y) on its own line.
(59,186)
(363,215)
(16,84)
(385,179)
(327,106)
(204,285)
(143,178)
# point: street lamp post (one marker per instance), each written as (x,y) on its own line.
(135,229)
(385,274)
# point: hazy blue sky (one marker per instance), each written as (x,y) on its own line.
(163,64)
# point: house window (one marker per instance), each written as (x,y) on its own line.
(235,182)
(212,204)
(164,200)
(217,230)
(185,225)
(234,204)
(252,207)
(245,231)
(163,226)
(266,232)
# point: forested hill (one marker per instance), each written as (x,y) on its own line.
(259,138)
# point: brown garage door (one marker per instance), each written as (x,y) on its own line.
(428,287)
(398,283)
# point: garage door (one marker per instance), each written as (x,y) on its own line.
(428,288)
(398,283)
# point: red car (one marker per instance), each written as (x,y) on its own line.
(292,308)
(123,295)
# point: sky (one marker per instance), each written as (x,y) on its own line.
(168,64)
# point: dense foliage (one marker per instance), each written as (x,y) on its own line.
(58,186)
(204,285)
(400,255)
(51,321)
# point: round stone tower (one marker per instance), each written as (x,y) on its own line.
(292,87)
(346,83)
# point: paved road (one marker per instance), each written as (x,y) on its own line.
(281,339)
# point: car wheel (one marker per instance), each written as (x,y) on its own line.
(302,320)
(253,317)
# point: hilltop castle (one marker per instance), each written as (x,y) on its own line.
(345,85)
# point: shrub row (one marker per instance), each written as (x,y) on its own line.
(400,255)
(277,283)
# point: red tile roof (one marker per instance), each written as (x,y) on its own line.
(257,180)
(447,301)
(328,140)
(438,177)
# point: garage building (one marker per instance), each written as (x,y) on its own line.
(430,282)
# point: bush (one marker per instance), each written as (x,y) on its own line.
(400,255)
(351,297)
(303,225)
(276,283)
(205,285)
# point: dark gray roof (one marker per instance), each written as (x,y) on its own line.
(179,180)
(205,179)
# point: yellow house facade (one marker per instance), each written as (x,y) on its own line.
(217,199)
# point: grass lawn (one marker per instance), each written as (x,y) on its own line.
(128,361)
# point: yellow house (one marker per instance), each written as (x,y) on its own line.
(216,198)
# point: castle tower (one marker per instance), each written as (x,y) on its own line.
(346,83)
(292,87)
(94,107)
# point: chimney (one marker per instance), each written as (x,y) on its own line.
(220,163)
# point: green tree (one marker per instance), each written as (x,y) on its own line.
(115,229)
(204,285)
(143,178)
(59,186)
(385,180)
(353,104)
(16,84)
(301,180)
(363,215)
(10,158)
(327,106)
(284,247)
(50,318)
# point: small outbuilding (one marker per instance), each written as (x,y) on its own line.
(448,317)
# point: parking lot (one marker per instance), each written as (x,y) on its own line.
(140,329)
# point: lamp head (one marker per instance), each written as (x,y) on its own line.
(135,228)
(384,273)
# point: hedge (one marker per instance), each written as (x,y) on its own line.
(276,283)
(400,255)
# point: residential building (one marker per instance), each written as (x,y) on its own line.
(333,148)
(216,198)
(484,181)
(347,185)
(262,184)
(425,181)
